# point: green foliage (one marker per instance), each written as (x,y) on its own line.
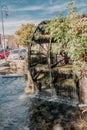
(70,35)
(71,7)
(58,31)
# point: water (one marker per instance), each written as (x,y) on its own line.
(54,97)
(15,106)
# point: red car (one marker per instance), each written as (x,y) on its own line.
(4,54)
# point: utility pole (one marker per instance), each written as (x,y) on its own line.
(4,11)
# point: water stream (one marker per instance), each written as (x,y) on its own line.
(15,106)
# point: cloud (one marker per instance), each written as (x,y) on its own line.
(83,10)
(14,23)
(26,8)
(18,13)
(11,26)
(55,8)
(49,8)
(80,5)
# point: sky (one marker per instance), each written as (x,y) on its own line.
(34,11)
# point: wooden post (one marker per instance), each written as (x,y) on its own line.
(30,84)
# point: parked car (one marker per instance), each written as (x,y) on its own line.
(23,53)
(17,54)
(4,53)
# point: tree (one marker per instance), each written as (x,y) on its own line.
(77,50)
(24,34)
(70,34)
(59,29)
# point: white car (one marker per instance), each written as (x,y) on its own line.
(17,54)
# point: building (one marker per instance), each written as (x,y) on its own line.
(8,40)
(0,41)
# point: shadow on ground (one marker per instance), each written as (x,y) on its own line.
(54,116)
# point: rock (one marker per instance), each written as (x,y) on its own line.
(13,65)
(57,127)
(29,90)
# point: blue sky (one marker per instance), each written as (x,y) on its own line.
(35,11)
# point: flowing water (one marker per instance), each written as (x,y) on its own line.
(15,106)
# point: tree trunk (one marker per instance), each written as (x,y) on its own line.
(83,89)
(66,58)
(30,84)
(49,62)
(29,56)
